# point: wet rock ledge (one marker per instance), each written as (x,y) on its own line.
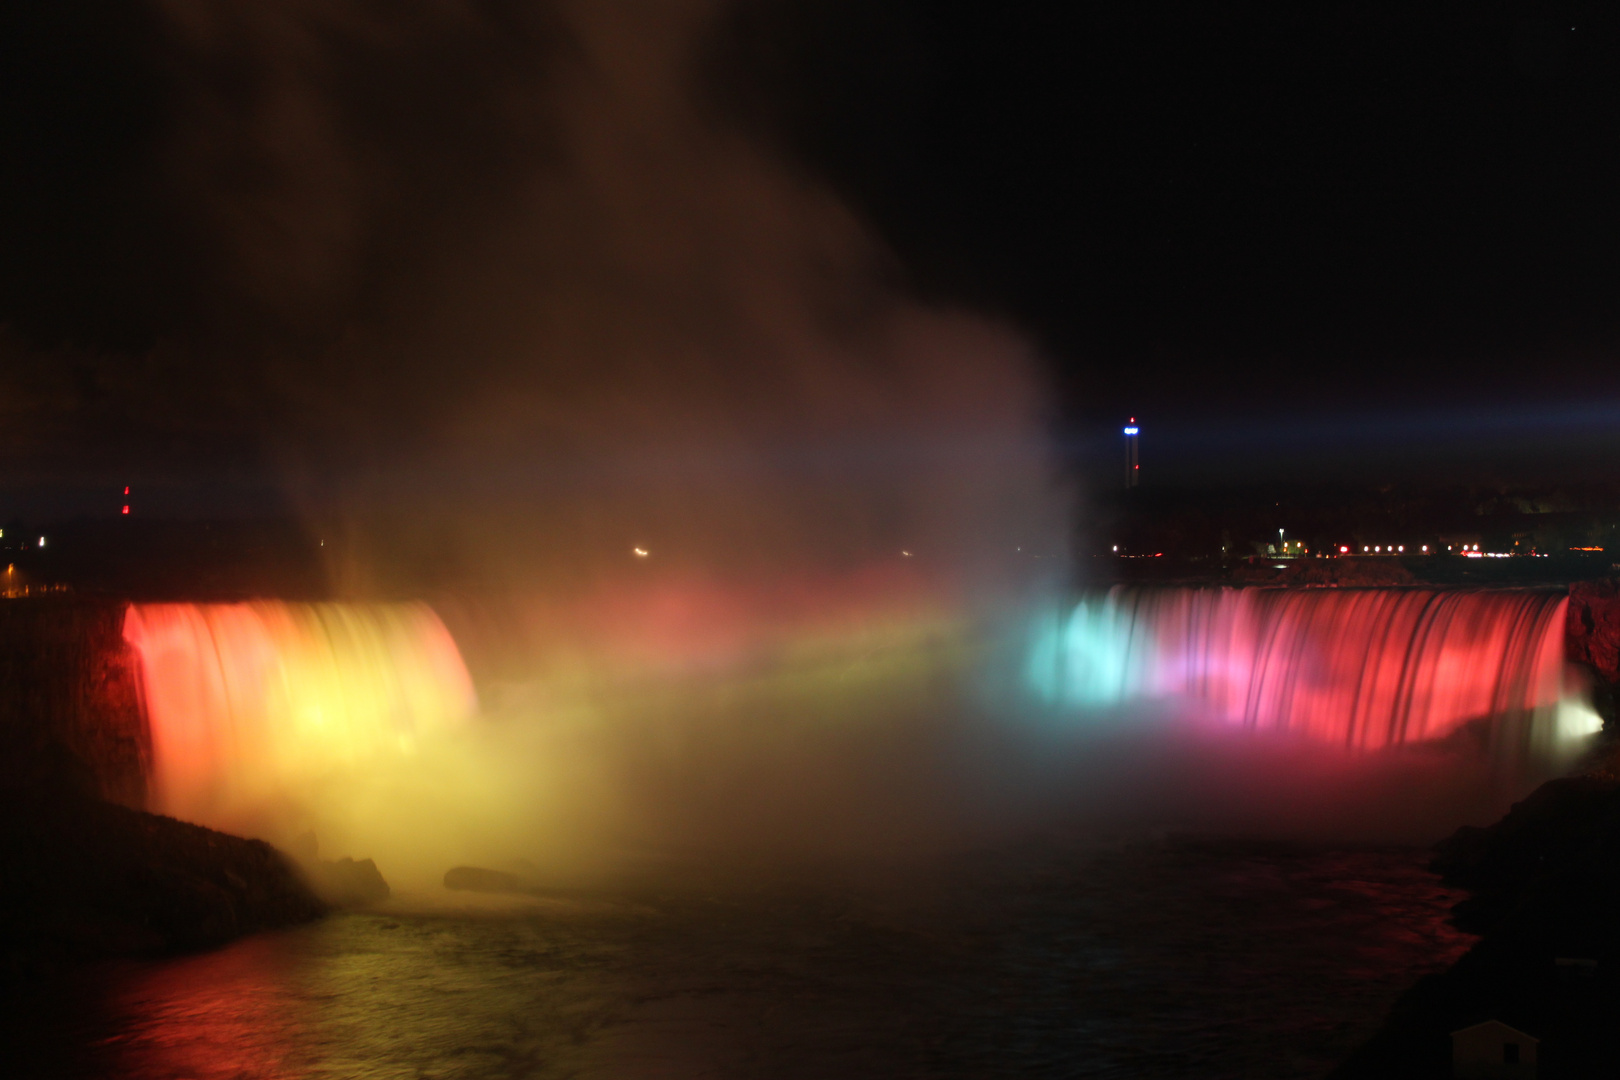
(84,879)
(1545,885)
(84,872)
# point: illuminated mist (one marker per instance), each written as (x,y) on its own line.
(661,520)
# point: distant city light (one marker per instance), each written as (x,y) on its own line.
(1402,548)
(1425,547)
(1116,547)
(641,553)
(906,554)
(1344,549)
(1131,430)
(42,541)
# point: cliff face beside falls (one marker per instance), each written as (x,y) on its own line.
(70,701)
(1593,632)
(1545,884)
(84,871)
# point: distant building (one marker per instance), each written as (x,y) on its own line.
(1492,1049)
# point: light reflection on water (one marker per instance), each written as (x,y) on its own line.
(1152,960)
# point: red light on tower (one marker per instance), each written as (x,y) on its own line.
(126,495)
(126,508)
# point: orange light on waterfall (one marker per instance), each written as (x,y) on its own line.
(248,699)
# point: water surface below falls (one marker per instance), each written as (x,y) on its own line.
(1155,958)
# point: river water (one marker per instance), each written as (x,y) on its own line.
(1154,957)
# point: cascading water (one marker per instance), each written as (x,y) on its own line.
(654,728)
(249,701)
(1360,668)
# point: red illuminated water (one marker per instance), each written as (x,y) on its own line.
(1358,668)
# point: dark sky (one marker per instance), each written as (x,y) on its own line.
(1351,225)
(1357,240)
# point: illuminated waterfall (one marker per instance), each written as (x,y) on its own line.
(249,701)
(1361,668)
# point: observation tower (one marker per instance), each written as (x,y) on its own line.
(1133,467)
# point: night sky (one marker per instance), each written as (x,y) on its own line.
(1293,239)
(1375,243)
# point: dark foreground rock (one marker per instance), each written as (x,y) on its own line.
(83,879)
(1546,899)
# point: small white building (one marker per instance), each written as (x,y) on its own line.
(1492,1050)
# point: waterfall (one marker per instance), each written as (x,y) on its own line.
(248,701)
(1361,668)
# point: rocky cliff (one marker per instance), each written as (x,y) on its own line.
(70,703)
(84,872)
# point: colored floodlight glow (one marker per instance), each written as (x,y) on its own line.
(1238,654)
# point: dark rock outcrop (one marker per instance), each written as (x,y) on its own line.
(1546,898)
(83,879)
(479,879)
(346,882)
(70,700)
(1592,633)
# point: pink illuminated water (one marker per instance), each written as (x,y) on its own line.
(1360,668)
